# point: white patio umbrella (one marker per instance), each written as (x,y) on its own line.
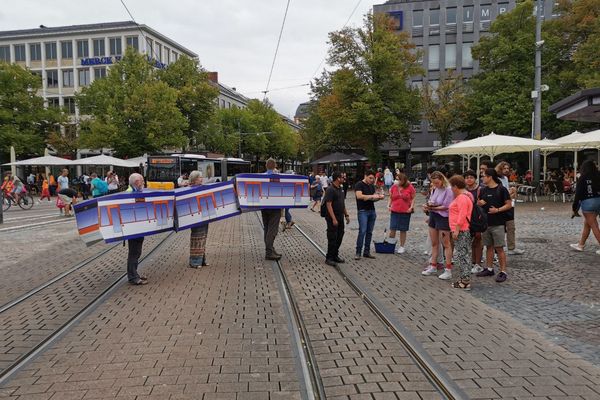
(102,160)
(565,143)
(590,140)
(43,161)
(492,145)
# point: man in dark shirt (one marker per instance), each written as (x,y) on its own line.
(336,212)
(365,204)
(496,202)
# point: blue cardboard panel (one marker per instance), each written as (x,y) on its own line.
(86,217)
(202,204)
(269,191)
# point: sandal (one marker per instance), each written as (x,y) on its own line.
(462,285)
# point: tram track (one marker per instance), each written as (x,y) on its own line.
(433,372)
(38,302)
(35,225)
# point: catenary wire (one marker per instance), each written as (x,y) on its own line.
(276,48)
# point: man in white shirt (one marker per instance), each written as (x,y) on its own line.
(324,181)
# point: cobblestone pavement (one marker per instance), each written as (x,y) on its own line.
(551,290)
(219,332)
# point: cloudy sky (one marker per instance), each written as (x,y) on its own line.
(234,37)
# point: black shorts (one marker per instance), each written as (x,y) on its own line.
(436,221)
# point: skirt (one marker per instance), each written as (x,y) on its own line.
(399,221)
(198,245)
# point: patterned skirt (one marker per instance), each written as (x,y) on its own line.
(198,245)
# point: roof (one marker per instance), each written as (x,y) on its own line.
(582,106)
(86,28)
(302,110)
(231,92)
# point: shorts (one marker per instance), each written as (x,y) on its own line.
(399,221)
(591,205)
(65,199)
(317,196)
(436,221)
(494,236)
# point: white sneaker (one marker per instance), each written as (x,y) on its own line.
(598,252)
(476,269)
(576,246)
(516,252)
(401,250)
(431,270)
(446,275)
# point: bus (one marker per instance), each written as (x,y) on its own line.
(163,171)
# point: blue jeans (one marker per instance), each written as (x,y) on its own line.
(288,216)
(366,223)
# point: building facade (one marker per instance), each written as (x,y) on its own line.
(444,33)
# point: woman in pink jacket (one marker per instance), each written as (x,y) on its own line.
(459,214)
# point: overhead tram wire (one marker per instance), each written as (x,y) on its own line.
(140,29)
(276,49)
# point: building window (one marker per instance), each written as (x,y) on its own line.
(434,57)
(419,54)
(52,78)
(167,55)
(467,59)
(51,51)
(451,15)
(66,49)
(468,19)
(99,50)
(175,56)
(486,16)
(19,52)
(67,76)
(53,102)
(398,18)
(434,16)
(84,77)
(149,47)
(99,73)
(35,52)
(159,52)
(222,103)
(115,46)
(83,49)
(450,60)
(69,104)
(5,53)
(132,41)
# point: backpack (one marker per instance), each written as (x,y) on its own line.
(478,221)
(101,186)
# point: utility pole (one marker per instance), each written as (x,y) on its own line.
(537,92)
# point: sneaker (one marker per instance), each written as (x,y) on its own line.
(357,256)
(476,269)
(486,272)
(598,252)
(339,260)
(501,277)
(431,270)
(331,263)
(446,275)
(401,250)
(576,246)
(516,252)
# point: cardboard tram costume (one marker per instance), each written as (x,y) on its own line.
(132,215)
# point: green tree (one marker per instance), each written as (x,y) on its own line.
(195,96)
(24,122)
(366,100)
(444,107)
(131,110)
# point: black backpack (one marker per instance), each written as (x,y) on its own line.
(478,222)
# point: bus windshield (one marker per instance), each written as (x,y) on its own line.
(163,169)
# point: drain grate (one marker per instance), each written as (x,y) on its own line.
(534,240)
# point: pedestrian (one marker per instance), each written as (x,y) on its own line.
(379,182)
(503,171)
(183,180)
(439,227)
(63,180)
(317,192)
(199,233)
(483,166)
(366,196)
(52,184)
(69,197)
(335,215)
(136,184)
(45,190)
(345,184)
(98,186)
(270,218)
(495,201)
(112,180)
(459,215)
(587,197)
(324,180)
(85,186)
(401,205)
(388,179)
(477,246)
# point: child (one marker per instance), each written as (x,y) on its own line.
(45,190)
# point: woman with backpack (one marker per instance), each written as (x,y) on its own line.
(98,186)
(459,214)
(472,182)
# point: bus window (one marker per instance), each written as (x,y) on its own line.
(237,168)
(163,169)
(188,166)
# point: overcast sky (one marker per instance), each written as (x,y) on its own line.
(234,37)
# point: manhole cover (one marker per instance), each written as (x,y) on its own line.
(529,264)
(534,240)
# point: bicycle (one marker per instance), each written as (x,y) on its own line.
(25,200)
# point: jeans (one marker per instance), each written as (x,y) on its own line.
(288,216)
(366,223)
(133,258)
(335,234)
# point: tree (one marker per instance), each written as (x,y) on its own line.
(131,110)
(195,96)
(366,100)
(444,106)
(24,122)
